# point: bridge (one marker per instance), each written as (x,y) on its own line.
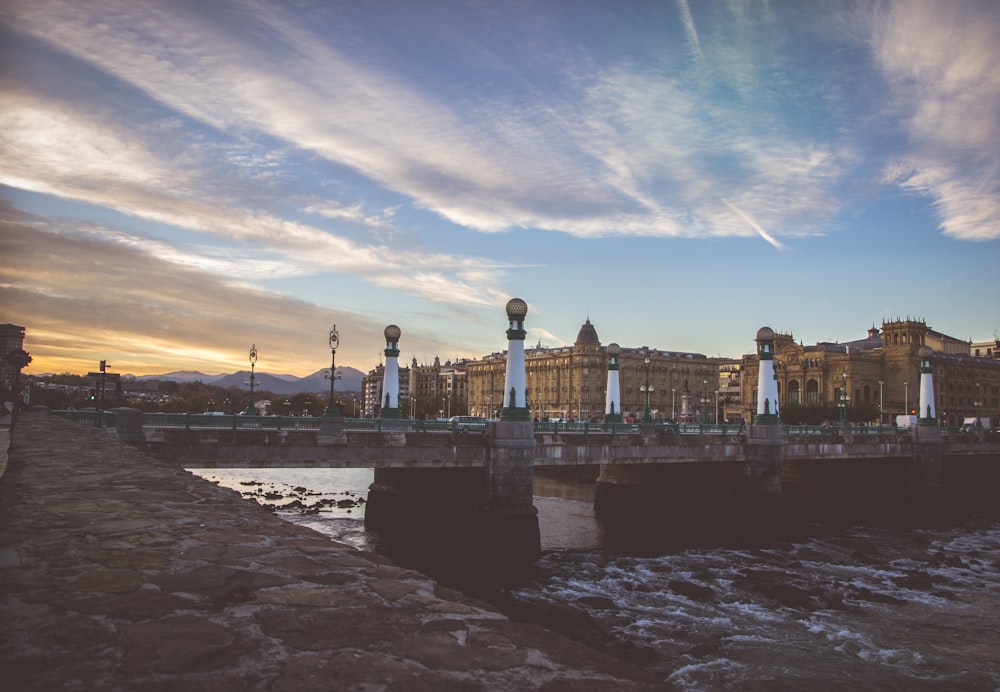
(435,471)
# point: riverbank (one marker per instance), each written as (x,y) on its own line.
(120,572)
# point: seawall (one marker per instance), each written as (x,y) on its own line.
(118,571)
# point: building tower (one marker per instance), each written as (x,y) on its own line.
(613,400)
(390,378)
(926,414)
(767,385)
(515,391)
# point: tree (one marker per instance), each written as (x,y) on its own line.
(17,360)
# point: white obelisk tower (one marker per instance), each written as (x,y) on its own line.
(613,399)
(390,378)
(927,413)
(515,390)
(767,385)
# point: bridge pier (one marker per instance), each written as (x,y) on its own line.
(462,520)
(928,451)
(765,452)
(510,519)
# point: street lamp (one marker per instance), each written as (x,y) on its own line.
(844,398)
(906,398)
(251,411)
(673,403)
(647,417)
(979,403)
(331,408)
(880,403)
(705,401)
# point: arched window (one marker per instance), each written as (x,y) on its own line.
(812,392)
(793,391)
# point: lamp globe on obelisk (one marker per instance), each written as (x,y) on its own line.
(390,376)
(515,390)
(613,400)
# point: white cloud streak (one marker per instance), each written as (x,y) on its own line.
(628,159)
(942,63)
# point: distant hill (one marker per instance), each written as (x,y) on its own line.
(350,380)
(182,376)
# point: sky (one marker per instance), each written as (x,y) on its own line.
(181,180)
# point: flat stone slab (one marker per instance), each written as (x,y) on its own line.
(121,572)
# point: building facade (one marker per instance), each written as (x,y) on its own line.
(11,339)
(877,378)
(427,391)
(570,382)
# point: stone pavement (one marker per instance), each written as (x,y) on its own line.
(119,572)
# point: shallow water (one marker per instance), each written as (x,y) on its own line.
(862,606)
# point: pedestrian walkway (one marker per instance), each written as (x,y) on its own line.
(119,572)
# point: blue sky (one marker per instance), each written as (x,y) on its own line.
(183,179)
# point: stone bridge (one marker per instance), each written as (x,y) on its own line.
(482,481)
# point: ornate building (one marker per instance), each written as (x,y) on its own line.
(570,382)
(878,377)
(425,391)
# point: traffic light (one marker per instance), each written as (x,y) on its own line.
(104,366)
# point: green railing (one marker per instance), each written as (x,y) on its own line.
(187,421)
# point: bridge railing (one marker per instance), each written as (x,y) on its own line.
(95,418)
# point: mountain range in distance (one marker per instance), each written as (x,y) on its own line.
(349,380)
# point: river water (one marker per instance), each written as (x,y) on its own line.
(869,604)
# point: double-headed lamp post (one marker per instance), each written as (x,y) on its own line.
(880,383)
(332,411)
(251,411)
(844,399)
(647,416)
(979,403)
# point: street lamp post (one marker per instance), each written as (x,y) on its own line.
(979,403)
(844,398)
(251,411)
(647,416)
(334,340)
(906,398)
(880,421)
(673,404)
(705,401)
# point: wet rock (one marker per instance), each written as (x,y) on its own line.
(918,581)
(696,592)
(704,649)
(864,594)
(599,602)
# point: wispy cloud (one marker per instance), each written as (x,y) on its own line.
(80,287)
(946,85)
(624,153)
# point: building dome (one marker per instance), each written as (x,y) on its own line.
(588,335)
(925,352)
(392,333)
(516,309)
(765,334)
(614,349)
